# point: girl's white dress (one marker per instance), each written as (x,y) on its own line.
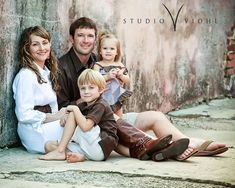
(28,93)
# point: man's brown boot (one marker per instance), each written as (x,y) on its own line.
(144,149)
(140,145)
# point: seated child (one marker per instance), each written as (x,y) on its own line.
(114,72)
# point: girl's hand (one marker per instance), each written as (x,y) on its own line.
(112,74)
(120,72)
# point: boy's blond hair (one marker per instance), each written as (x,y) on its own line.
(90,76)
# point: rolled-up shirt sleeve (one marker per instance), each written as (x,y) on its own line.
(24,94)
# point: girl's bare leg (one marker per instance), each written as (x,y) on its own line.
(59,152)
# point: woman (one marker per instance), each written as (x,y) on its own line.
(35,88)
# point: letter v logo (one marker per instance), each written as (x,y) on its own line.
(176,18)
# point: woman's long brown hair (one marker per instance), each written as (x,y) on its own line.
(26,59)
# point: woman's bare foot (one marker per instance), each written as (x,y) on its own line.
(73,157)
(187,153)
(196,142)
(53,155)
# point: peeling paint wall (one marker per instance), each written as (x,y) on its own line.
(168,68)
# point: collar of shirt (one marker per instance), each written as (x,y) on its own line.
(78,64)
(44,72)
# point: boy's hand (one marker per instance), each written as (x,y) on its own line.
(70,108)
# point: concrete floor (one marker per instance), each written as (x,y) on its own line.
(214,121)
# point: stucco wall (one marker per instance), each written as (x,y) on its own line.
(168,67)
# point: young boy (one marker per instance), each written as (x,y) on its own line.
(96,129)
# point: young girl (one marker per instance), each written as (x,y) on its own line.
(114,72)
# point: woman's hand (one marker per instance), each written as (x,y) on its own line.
(63,120)
(57,116)
(61,113)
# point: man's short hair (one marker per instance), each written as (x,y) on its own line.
(82,22)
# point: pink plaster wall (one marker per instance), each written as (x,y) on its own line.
(173,68)
(168,68)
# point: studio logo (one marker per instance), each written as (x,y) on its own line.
(174,21)
(172,17)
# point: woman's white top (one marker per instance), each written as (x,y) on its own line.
(27,94)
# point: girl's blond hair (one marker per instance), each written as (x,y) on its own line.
(90,76)
(107,35)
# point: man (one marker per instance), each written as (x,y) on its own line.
(83,34)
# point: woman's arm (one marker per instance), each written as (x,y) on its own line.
(57,116)
(23,87)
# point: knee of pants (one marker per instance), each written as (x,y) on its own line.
(89,136)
